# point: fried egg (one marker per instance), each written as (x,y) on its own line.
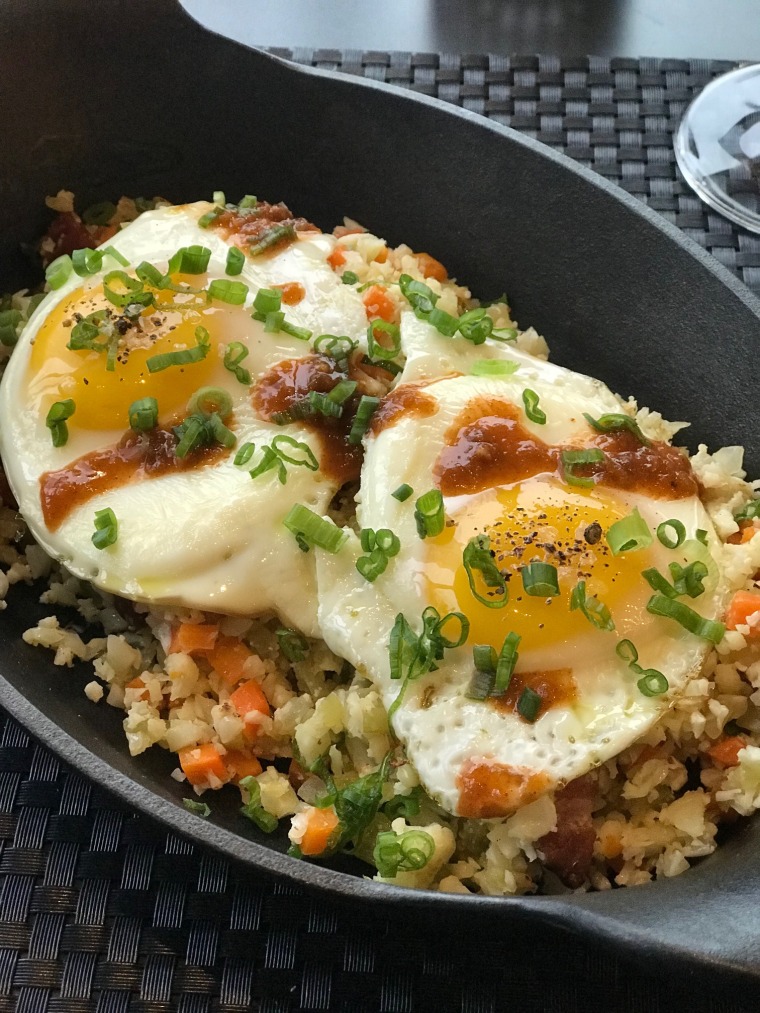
(207,535)
(503,474)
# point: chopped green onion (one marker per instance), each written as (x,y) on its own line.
(529,704)
(112,252)
(629,534)
(749,511)
(505,664)
(219,432)
(342,391)
(192,436)
(627,652)
(270,459)
(403,493)
(56,421)
(338,348)
(219,197)
(233,292)
(701,535)
(419,295)
(689,579)
(184,356)
(594,610)
(244,454)
(394,853)
(477,556)
(413,656)
(652,683)
(210,217)
(190,260)
(270,238)
(86,262)
(475,326)
(99,214)
(253,808)
(614,423)
(233,356)
(668,540)
(504,334)
(443,322)
(540,579)
(658,582)
(380,547)
(534,413)
(300,333)
(314,529)
(150,275)
(199,808)
(106,528)
(143,414)
(494,367)
(373,564)
(292,644)
(428,514)
(572,459)
(9,321)
(378,351)
(207,400)
(404,805)
(267,300)
(128,290)
(485,660)
(349,278)
(249,201)
(58,272)
(708,629)
(367,407)
(308,460)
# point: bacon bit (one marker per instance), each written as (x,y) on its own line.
(726,751)
(431,268)
(378,303)
(240,765)
(66,233)
(569,849)
(293,292)
(337,258)
(348,230)
(198,762)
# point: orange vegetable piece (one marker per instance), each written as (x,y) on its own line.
(746,531)
(138,684)
(378,303)
(382,256)
(337,258)
(228,659)
(432,268)
(241,765)
(292,292)
(727,750)
(190,638)
(743,604)
(249,697)
(347,230)
(318,831)
(198,762)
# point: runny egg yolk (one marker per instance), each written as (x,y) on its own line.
(535,522)
(103,397)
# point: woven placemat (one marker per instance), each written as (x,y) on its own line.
(102,910)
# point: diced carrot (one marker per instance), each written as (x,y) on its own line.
(382,256)
(727,750)
(316,837)
(337,258)
(191,637)
(610,842)
(293,292)
(228,658)
(746,531)
(241,765)
(138,684)
(249,697)
(742,606)
(378,303)
(431,268)
(198,762)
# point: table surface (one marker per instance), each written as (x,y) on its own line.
(716,29)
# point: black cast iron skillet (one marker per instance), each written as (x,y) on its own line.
(136,98)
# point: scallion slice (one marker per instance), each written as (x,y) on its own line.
(299,333)
(376,350)
(273,235)
(190,260)
(614,423)
(314,529)
(192,436)
(208,400)
(149,274)
(106,528)
(749,511)
(529,704)
(112,252)
(367,407)
(292,644)
(307,458)
(233,356)
(338,348)
(475,326)
(627,652)
(429,515)
(235,261)
(701,535)
(121,290)
(629,534)
(210,217)
(232,292)
(199,808)
(58,272)
(594,610)
(248,201)
(86,262)
(244,454)
(477,557)
(678,536)
(9,321)
(707,629)
(572,459)
(443,322)
(505,664)
(56,421)
(534,413)
(689,579)
(494,367)
(143,414)
(658,582)
(403,493)
(183,357)
(540,579)
(652,683)
(269,460)
(267,300)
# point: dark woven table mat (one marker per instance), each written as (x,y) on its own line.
(102,910)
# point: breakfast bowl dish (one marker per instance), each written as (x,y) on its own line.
(491,633)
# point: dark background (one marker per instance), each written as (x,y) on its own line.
(709,29)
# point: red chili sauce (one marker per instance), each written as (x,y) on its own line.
(247,227)
(488,790)
(488,445)
(556,687)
